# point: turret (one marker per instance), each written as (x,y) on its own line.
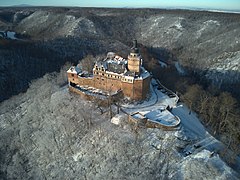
(135,48)
(134,59)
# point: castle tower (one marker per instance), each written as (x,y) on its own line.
(134,59)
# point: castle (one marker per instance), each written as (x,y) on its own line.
(113,75)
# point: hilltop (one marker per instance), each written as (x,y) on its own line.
(48,132)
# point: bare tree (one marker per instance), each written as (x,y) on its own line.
(62,76)
(87,63)
(191,97)
(87,114)
(110,101)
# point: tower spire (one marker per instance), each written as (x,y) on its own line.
(135,47)
(134,59)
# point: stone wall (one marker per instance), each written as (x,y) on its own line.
(145,87)
(106,83)
(86,81)
(73,78)
(82,94)
(127,89)
(150,124)
(136,89)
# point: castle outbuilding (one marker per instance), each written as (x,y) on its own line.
(114,74)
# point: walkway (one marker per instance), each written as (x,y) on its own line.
(158,99)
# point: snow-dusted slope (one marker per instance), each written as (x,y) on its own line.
(52,25)
(166,29)
(50,133)
(195,38)
(225,69)
(203,166)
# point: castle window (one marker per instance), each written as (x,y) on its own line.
(72,75)
(72,84)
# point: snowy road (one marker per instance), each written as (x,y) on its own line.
(189,121)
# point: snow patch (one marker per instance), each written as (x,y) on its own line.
(117,119)
(11,35)
(160,25)
(189,121)
(226,68)
(178,26)
(209,22)
(162,64)
(163,117)
(179,68)
(76,156)
(207,27)
(204,154)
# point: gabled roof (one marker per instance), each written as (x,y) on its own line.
(113,63)
(116,68)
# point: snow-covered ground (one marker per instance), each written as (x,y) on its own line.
(207,27)
(9,34)
(191,129)
(225,69)
(163,117)
(179,68)
(189,121)
(157,99)
(55,136)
